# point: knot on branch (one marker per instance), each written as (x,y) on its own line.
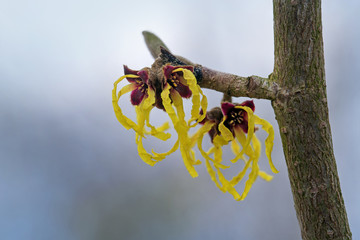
(252,83)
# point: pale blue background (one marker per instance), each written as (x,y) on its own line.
(69,170)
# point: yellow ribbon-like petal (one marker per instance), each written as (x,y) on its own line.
(218,143)
(196,92)
(236,149)
(240,136)
(200,135)
(159,131)
(227,187)
(126,122)
(181,129)
(167,104)
(140,117)
(173,149)
(146,106)
(255,167)
(269,141)
(254,155)
(142,114)
(144,155)
(178,104)
(225,132)
(212,174)
(265,176)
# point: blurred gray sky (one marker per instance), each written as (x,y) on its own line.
(69,170)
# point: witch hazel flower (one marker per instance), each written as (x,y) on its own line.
(235,124)
(167,93)
(180,82)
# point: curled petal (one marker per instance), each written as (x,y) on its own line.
(146,107)
(212,174)
(188,160)
(194,160)
(144,155)
(227,187)
(196,92)
(265,176)
(200,135)
(236,150)
(235,180)
(178,104)
(246,148)
(126,122)
(182,126)
(216,149)
(269,141)
(240,136)
(167,104)
(143,115)
(255,167)
(181,130)
(159,131)
(253,151)
(218,141)
(142,110)
(225,132)
(173,149)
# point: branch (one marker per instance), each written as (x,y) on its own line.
(236,86)
(229,84)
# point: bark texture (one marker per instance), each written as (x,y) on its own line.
(302,113)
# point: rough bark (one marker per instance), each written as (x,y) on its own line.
(302,113)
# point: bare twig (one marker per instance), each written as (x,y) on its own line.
(229,84)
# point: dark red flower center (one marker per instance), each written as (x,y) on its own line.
(235,117)
(174,80)
(141,85)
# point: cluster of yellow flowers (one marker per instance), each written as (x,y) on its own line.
(231,124)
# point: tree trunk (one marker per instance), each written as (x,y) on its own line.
(302,114)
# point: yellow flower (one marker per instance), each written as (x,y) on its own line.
(232,123)
(235,124)
(176,83)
